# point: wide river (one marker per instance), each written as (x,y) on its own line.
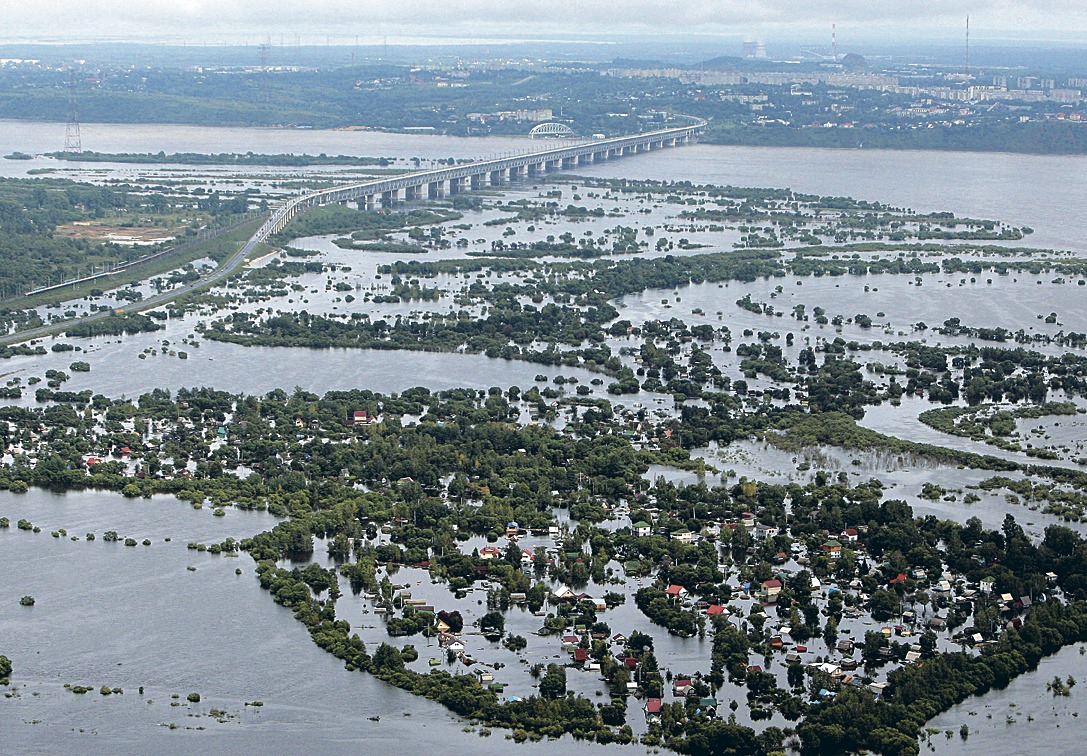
(127,617)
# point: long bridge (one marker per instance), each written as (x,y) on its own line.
(435,184)
(430,183)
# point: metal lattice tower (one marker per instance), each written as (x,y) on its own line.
(72,140)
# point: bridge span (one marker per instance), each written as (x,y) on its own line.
(434,184)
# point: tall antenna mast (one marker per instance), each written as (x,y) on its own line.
(834,41)
(968,45)
(72,140)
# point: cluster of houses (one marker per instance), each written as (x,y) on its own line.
(682,689)
(948,594)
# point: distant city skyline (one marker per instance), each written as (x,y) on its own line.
(478,21)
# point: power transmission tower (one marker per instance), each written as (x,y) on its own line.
(72,141)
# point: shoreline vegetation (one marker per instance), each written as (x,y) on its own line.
(223,158)
(1034,138)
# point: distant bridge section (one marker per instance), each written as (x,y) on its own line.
(550,130)
(435,184)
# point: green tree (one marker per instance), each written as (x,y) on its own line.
(553,684)
(492,622)
(388,659)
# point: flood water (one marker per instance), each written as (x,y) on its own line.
(107,614)
(1002,721)
(121,616)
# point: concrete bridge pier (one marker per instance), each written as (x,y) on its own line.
(494,172)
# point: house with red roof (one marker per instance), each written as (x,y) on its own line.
(676,592)
(681,686)
(771,589)
(652,708)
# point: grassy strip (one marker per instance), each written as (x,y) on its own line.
(800,431)
(218,248)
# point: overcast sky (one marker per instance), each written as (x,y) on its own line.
(312,20)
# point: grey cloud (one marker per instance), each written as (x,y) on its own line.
(199,19)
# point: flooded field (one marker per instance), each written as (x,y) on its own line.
(176,621)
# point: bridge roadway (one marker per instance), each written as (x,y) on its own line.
(460,177)
(479,174)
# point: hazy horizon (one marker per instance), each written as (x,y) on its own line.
(425,22)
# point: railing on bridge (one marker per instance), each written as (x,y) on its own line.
(496,170)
